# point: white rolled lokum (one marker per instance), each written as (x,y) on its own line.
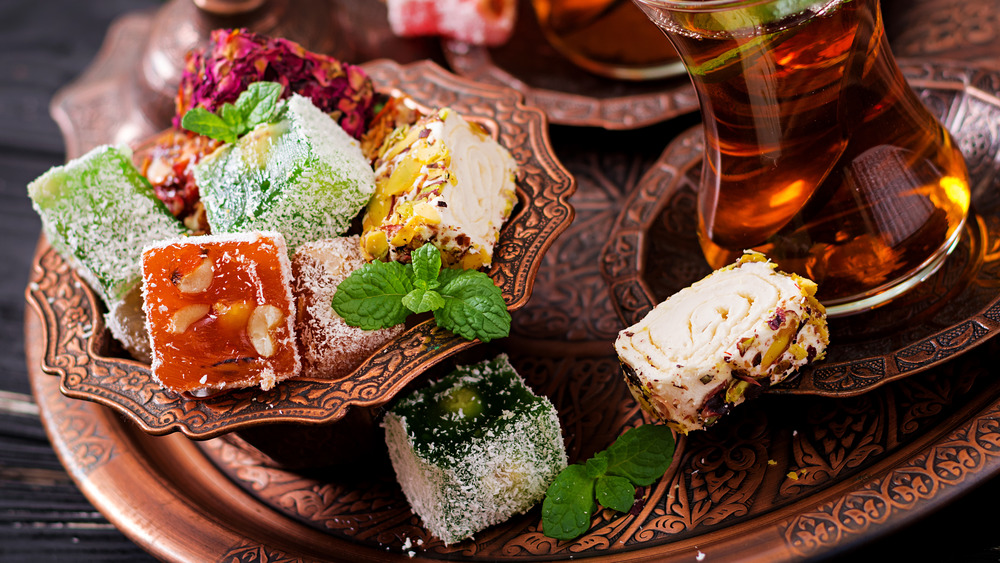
(741,329)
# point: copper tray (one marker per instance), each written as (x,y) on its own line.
(567,94)
(864,465)
(81,352)
(653,251)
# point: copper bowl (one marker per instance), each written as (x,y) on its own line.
(91,365)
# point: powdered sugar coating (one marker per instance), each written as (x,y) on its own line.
(329,346)
(462,473)
(303,177)
(98,212)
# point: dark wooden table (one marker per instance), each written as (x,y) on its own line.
(43,517)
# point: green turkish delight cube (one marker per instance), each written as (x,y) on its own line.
(302,176)
(474,448)
(98,212)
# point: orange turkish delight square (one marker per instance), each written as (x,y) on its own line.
(220,312)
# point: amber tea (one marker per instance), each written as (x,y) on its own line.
(818,153)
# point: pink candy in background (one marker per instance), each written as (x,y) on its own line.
(480,22)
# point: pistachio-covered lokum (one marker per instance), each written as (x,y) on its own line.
(444,181)
(98,212)
(743,328)
(474,448)
(302,176)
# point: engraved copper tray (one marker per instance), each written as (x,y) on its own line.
(567,94)
(653,251)
(90,366)
(863,466)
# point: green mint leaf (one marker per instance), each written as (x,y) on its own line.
(568,504)
(422,300)
(203,122)
(426,264)
(473,308)
(372,296)
(611,476)
(232,117)
(259,103)
(641,454)
(596,466)
(614,492)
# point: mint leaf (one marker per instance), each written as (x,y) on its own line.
(467,302)
(203,122)
(422,300)
(473,308)
(426,265)
(259,102)
(569,504)
(596,466)
(641,455)
(616,493)
(233,118)
(372,296)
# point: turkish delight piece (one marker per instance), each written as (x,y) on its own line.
(706,348)
(98,212)
(236,58)
(329,346)
(220,312)
(479,22)
(442,181)
(302,176)
(474,448)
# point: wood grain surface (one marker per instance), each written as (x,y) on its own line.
(43,517)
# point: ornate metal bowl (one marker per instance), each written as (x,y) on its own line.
(80,351)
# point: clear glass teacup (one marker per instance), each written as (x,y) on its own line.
(817,151)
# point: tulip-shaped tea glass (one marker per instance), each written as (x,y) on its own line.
(817,152)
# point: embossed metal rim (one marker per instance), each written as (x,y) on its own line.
(623,262)
(76,340)
(565,108)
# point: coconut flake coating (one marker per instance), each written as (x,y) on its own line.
(98,212)
(742,328)
(474,449)
(302,176)
(330,347)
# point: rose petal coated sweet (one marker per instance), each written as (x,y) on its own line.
(480,22)
(237,58)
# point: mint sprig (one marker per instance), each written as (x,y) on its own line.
(383,294)
(638,457)
(259,103)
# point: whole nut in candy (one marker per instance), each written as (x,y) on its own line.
(262,321)
(197,280)
(186,316)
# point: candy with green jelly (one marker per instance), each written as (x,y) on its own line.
(98,212)
(474,448)
(302,176)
